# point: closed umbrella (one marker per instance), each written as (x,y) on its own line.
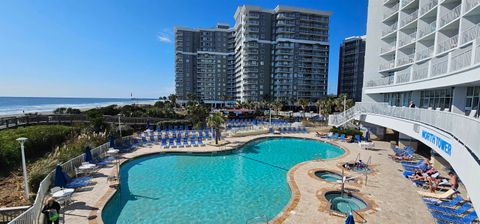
(148,125)
(112,142)
(350,219)
(60,178)
(367,135)
(88,154)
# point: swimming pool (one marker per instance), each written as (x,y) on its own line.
(222,188)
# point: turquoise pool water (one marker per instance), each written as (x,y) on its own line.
(344,204)
(227,188)
(328,176)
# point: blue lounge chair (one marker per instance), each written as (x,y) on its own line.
(305,130)
(470,217)
(164,143)
(76,182)
(270,130)
(357,139)
(457,211)
(177,141)
(185,141)
(192,141)
(152,139)
(171,142)
(335,136)
(450,203)
(199,141)
(342,137)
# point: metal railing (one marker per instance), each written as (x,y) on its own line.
(389,29)
(451,15)
(390,11)
(420,72)
(8,214)
(406,2)
(405,39)
(424,52)
(427,29)
(407,18)
(387,48)
(387,65)
(461,60)
(470,4)
(402,77)
(33,214)
(466,129)
(440,66)
(471,33)
(402,60)
(427,6)
(385,81)
(448,44)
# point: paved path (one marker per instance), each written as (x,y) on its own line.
(395,199)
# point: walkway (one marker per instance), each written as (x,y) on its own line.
(395,197)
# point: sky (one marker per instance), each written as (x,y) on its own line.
(111,48)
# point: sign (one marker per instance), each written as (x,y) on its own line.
(437,141)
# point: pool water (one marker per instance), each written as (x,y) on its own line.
(222,188)
(328,176)
(344,204)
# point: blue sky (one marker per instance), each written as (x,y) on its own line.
(110,48)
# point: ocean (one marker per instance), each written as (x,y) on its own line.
(20,105)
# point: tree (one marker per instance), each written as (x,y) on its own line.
(173,99)
(277,106)
(325,106)
(216,121)
(319,105)
(197,112)
(304,104)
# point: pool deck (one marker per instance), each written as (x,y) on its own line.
(393,198)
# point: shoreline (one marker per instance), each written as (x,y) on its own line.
(80,107)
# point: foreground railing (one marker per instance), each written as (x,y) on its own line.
(33,214)
(465,129)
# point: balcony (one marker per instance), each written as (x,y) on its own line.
(430,4)
(389,29)
(450,16)
(407,18)
(420,72)
(424,52)
(471,33)
(407,38)
(406,59)
(440,66)
(470,4)
(384,81)
(387,48)
(461,60)
(406,2)
(390,11)
(402,77)
(427,29)
(447,44)
(387,65)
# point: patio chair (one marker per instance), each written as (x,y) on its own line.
(449,203)
(454,211)
(444,195)
(357,139)
(342,137)
(469,218)
(185,142)
(171,143)
(192,142)
(164,143)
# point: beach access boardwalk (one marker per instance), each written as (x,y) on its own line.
(392,196)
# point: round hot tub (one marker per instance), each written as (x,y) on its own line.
(328,176)
(344,203)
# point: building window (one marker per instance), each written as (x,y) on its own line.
(473,99)
(439,98)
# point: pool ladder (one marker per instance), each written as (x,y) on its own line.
(258,220)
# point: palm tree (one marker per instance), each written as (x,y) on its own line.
(326,106)
(304,104)
(173,99)
(216,121)
(319,105)
(277,106)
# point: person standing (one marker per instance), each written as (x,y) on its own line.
(52,211)
(411,104)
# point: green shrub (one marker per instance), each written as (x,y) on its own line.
(41,140)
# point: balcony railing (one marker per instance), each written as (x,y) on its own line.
(448,44)
(407,38)
(389,29)
(386,49)
(402,77)
(387,65)
(425,52)
(385,81)
(471,33)
(402,60)
(406,2)
(427,29)
(470,4)
(420,72)
(390,11)
(461,60)
(450,16)
(407,18)
(440,67)
(427,6)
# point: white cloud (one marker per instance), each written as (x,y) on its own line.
(164,37)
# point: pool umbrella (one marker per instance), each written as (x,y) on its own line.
(350,219)
(88,154)
(148,124)
(367,135)
(60,179)
(112,142)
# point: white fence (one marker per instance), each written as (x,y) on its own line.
(33,214)
(466,129)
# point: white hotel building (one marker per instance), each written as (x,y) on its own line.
(428,52)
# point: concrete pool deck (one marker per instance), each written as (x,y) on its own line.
(393,196)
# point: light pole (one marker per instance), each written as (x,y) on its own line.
(344,104)
(120,125)
(22,141)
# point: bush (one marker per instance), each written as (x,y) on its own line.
(41,140)
(346,131)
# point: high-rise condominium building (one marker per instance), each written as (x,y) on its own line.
(278,54)
(428,52)
(350,71)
